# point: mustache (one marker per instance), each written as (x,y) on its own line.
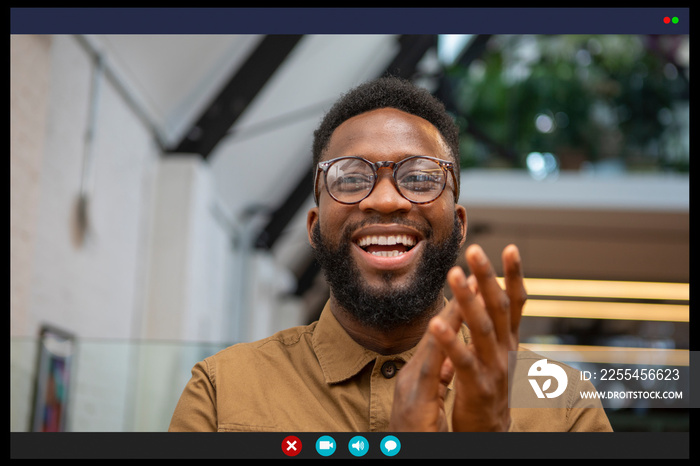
(349,229)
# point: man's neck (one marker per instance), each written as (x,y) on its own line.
(381,341)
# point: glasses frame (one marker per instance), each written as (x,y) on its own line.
(445,165)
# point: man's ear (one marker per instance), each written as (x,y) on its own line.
(311,221)
(461,214)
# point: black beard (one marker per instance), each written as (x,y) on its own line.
(389,307)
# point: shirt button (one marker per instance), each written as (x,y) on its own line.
(389,369)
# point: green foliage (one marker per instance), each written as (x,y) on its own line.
(596,99)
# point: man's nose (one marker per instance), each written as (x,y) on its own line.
(385,197)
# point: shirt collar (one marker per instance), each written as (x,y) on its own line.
(339,355)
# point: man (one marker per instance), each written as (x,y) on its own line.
(388,352)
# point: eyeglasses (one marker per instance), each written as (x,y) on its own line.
(419,179)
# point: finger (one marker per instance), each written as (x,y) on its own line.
(452,314)
(474,313)
(459,356)
(515,285)
(447,372)
(428,358)
(474,286)
(428,361)
(453,347)
(495,298)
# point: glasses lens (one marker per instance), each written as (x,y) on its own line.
(420,179)
(349,180)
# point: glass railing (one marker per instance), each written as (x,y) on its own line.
(99,385)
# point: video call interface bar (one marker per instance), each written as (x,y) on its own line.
(350,20)
(358,446)
(291,445)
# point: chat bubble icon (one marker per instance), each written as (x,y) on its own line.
(390,445)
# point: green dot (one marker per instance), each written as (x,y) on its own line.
(675,20)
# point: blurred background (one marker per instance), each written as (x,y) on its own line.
(159,187)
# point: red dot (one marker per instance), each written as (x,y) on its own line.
(667,20)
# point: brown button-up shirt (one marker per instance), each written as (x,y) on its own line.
(317,378)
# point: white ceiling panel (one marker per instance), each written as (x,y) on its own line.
(175,77)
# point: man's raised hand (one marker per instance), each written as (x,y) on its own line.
(480,366)
(493,316)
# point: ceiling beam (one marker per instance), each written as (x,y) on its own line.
(412,50)
(280,217)
(239,92)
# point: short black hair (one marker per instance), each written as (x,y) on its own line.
(387,91)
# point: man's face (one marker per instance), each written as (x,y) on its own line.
(363,273)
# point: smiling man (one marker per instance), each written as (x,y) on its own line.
(388,352)
(387,227)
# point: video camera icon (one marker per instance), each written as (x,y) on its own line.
(358,445)
(325,445)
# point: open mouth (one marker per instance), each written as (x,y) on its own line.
(386,245)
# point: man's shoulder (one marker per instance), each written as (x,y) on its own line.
(526,356)
(281,341)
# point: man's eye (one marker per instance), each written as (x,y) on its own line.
(422,181)
(351,183)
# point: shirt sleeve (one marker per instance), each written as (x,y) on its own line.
(196,409)
(569,412)
(588,415)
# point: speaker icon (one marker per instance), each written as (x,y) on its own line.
(358,445)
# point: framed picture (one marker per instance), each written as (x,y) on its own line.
(54,366)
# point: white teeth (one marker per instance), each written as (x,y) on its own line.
(386,253)
(406,240)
